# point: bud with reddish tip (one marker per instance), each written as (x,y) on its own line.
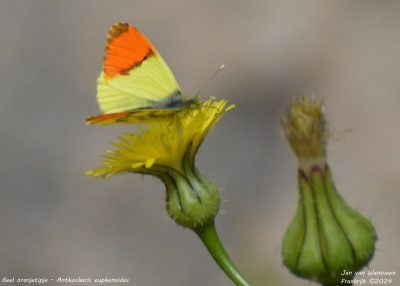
(327,240)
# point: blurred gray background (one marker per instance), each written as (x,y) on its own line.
(57,222)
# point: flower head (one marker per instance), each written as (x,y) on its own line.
(167,149)
(306,129)
(163,144)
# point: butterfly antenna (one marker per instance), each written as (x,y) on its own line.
(211,77)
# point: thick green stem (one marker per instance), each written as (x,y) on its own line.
(209,237)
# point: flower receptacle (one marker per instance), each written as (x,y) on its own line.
(191,199)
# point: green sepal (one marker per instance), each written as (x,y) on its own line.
(326,236)
(191,199)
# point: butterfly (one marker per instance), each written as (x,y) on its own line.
(135,85)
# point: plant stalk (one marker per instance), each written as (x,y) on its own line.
(209,237)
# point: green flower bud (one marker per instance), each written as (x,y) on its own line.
(326,237)
(327,240)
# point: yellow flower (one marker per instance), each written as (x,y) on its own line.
(167,149)
(164,143)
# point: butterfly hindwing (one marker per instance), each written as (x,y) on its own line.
(134,116)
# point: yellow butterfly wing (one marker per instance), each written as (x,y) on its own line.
(135,79)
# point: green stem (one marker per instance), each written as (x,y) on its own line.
(209,237)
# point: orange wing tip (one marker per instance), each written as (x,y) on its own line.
(126,48)
(116,30)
